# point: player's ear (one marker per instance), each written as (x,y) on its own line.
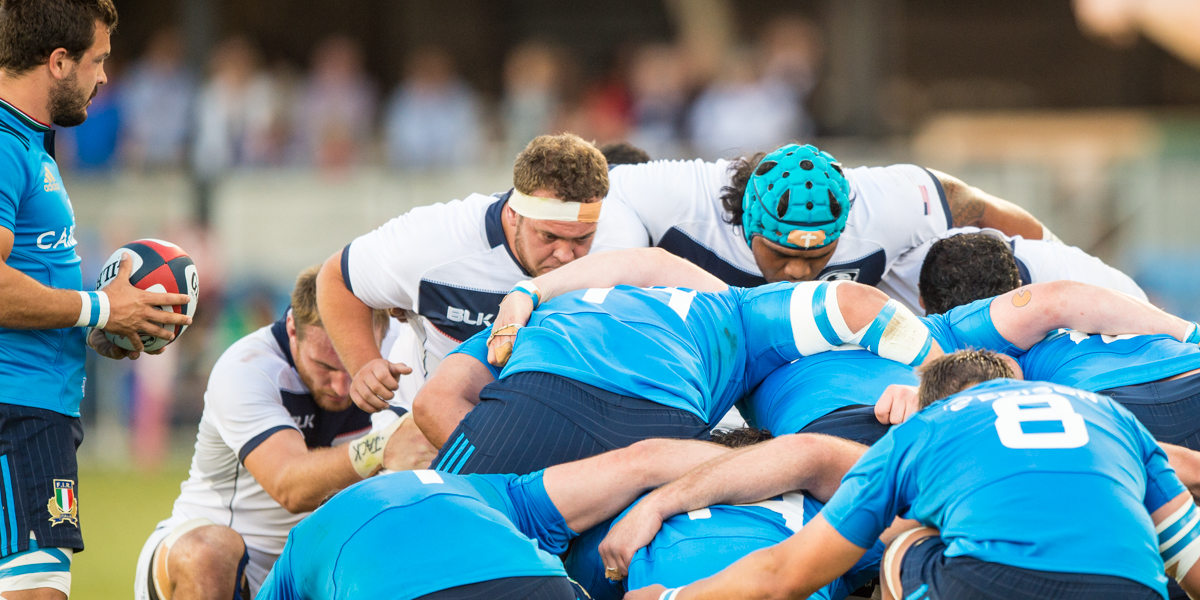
(60,63)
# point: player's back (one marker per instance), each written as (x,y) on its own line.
(1103,362)
(1034,476)
(414,531)
(803,391)
(673,346)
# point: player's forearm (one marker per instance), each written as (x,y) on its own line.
(1024,316)
(347,319)
(309,479)
(973,207)
(785,464)
(760,575)
(437,414)
(27,304)
(638,267)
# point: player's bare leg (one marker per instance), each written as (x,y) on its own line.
(889,575)
(201,565)
(35,594)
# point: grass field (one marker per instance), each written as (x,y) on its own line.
(117,510)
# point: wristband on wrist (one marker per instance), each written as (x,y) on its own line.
(670,594)
(529,288)
(366,453)
(1193,334)
(94,312)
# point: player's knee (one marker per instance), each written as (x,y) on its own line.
(213,549)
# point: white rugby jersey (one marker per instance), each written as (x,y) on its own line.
(449,266)
(1037,260)
(892,210)
(254,392)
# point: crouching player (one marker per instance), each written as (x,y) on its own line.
(277,400)
(993,474)
(470,536)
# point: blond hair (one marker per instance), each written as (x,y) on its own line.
(304,304)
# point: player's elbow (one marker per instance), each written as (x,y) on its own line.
(297,503)
(641,459)
(859,304)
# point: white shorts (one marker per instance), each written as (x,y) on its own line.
(256,571)
(37,568)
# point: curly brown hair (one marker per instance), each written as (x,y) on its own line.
(31,30)
(572,168)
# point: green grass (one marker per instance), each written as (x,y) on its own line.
(118,509)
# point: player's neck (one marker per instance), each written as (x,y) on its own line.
(28,93)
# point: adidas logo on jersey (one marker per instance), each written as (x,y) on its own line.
(52,184)
(462,315)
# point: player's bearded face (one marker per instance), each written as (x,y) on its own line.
(778,263)
(69,102)
(320,369)
(543,246)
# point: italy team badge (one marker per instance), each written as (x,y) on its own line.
(63,508)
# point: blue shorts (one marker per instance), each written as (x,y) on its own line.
(531,421)
(40,479)
(855,423)
(1170,410)
(927,574)
(513,588)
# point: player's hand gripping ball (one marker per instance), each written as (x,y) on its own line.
(161,267)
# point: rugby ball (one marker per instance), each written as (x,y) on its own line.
(158,266)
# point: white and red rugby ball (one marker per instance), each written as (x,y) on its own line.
(158,266)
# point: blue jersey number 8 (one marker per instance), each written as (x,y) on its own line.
(1012,412)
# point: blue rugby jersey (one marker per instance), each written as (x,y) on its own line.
(696,351)
(701,543)
(435,531)
(1104,362)
(38,368)
(1026,474)
(803,391)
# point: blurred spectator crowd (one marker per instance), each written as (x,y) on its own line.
(244,113)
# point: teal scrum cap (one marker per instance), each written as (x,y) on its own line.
(797,198)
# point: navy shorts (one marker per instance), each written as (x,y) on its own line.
(530,421)
(513,588)
(926,574)
(1170,410)
(40,479)
(855,423)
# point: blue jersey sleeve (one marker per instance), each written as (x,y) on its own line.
(877,488)
(535,515)
(969,326)
(476,347)
(13,178)
(1162,484)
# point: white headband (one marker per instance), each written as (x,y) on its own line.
(550,209)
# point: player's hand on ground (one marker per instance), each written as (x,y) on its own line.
(513,314)
(132,311)
(408,449)
(896,404)
(647,593)
(634,531)
(375,384)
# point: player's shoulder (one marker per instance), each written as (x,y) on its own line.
(256,363)
(17,148)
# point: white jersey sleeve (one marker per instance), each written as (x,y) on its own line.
(243,402)
(1041,261)
(666,193)
(1038,261)
(383,268)
(619,227)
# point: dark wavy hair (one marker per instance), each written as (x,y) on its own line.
(31,30)
(964,268)
(740,437)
